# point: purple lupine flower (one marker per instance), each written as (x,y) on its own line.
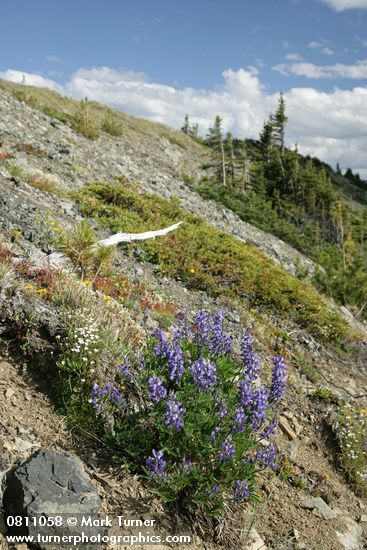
(204,373)
(157,391)
(266,457)
(156,464)
(175,362)
(141,364)
(96,393)
(98,401)
(173,354)
(220,342)
(249,459)
(182,329)
(239,418)
(214,433)
(222,409)
(278,380)
(270,429)
(245,392)
(227,450)
(186,462)
(249,356)
(107,397)
(162,347)
(179,333)
(202,327)
(258,407)
(127,369)
(209,331)
(173,414)
(240,491)
(115,397)
(213,491)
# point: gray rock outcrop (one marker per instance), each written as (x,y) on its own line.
(47,485)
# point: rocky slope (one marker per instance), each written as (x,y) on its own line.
(44,154)
(158,160)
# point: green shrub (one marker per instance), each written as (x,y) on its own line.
(58,115)
(326,395)
(14,170)
(257,210)
(82,121)
(310,372)
(112,126)
(286,473)
(350,428)
(188,179)
(22,96)
(80,245)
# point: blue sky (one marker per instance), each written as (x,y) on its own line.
(162,58)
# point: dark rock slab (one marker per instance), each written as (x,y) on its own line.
(47,485)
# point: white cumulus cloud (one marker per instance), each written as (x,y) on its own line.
(356,71)
(293,57)
(314,45)
(239,101)
(327,51)
(342,5)
(331,126)
(31,79)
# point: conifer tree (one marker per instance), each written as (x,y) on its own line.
(267,140)
(339,217)
(186,125)
(215,136)
(230,153)
(83,122)
(245,168)
(294,172)
(280,120)
(215,141)
(194,130)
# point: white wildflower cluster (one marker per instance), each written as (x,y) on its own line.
(84,338)
(328,331)
(351,430)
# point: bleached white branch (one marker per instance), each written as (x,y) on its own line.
(56,258)
(128,237)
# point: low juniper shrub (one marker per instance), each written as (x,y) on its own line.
(193,417)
